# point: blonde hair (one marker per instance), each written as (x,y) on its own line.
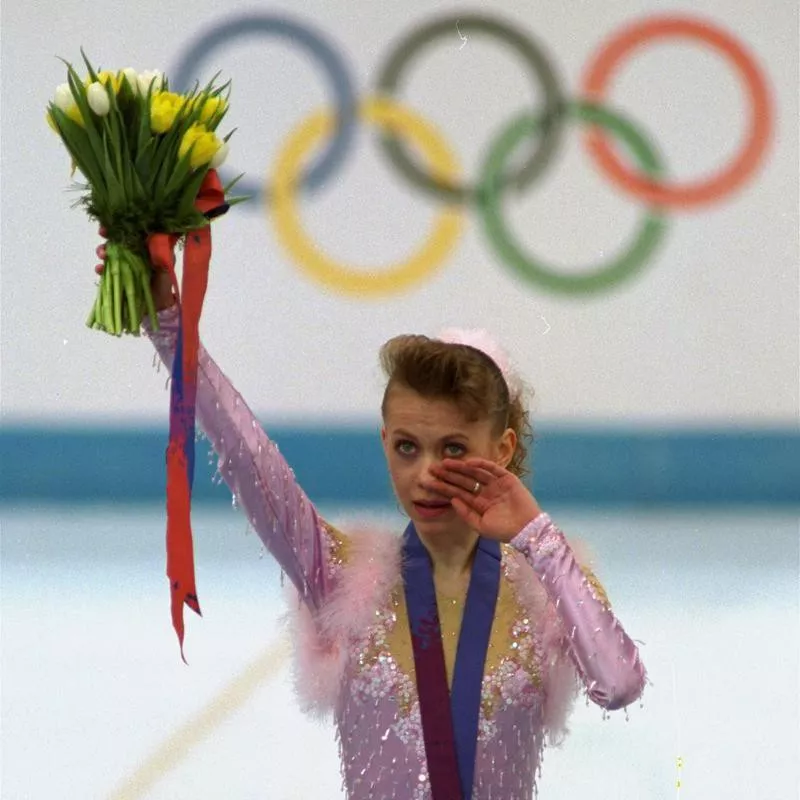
(466,376)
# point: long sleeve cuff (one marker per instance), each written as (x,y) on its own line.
(604,655)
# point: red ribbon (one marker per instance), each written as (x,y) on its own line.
(180,451)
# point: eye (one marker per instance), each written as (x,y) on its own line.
(454,450)
(404,447)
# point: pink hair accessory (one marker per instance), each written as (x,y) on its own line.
(482,340)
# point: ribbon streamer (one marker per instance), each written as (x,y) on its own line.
(180,450)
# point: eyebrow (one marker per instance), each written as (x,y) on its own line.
(401,432)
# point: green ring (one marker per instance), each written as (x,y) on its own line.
(594,279)
(534,57)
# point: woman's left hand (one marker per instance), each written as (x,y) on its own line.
(492,500)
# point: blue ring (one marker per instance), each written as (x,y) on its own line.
(184,76)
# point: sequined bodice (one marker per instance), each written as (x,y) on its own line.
(511,645)
(382,676)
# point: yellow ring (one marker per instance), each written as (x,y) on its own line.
(372,281)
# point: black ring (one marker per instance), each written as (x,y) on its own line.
(552,115)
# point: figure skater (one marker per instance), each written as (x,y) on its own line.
(448,656)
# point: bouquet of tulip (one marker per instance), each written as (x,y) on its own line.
(145,152)
(149,157)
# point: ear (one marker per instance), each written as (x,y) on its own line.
(506,446)
(384,438)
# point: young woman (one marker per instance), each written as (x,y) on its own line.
(447,655)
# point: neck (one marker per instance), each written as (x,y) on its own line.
(451,554)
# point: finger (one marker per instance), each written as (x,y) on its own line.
(454,491)
(469,472)
(491,467)
(470,486)
(100,269)
(101,251)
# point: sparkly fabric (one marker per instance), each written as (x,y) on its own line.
(553,626)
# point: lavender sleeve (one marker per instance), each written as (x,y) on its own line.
(259,477)
(604,655)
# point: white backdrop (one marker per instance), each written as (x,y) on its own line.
(706,332)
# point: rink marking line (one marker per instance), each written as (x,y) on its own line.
(177,746)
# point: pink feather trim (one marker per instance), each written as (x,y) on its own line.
(323,642)
(559,677)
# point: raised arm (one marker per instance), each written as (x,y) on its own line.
(260,479)
(604,655)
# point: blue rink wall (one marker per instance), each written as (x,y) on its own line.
(616,467)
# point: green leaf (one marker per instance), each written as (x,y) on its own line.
(163,164)
(209,87)
(145,134)
(138,190)
(89,118)
(89,67)
(116,193)
(77,143)
(233,183)
(119,142)
(143,167)
(179,174)
(190,191)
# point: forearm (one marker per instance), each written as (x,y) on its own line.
(604,655)
(259,477)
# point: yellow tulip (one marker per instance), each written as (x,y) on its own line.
(202,143)
(164,108)
(189,138)
(204,149)
(71,110)
(74,113)
(211,107)
(114,78)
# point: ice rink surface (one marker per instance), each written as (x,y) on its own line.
(96,702)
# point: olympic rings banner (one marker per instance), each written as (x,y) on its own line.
(643,174)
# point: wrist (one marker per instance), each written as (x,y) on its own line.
(531,531)
(163,302)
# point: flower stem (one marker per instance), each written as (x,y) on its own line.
(117,295)
(105,283)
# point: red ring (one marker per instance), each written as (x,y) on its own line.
(730,178)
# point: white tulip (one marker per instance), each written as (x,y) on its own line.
(97,97)
(63,98)
(219,157)
(132,78)
(148,77)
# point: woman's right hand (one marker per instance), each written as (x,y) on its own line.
(161,289)
(160,285)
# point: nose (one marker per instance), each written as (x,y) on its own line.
(425,477)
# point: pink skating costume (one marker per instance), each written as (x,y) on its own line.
(553,628)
